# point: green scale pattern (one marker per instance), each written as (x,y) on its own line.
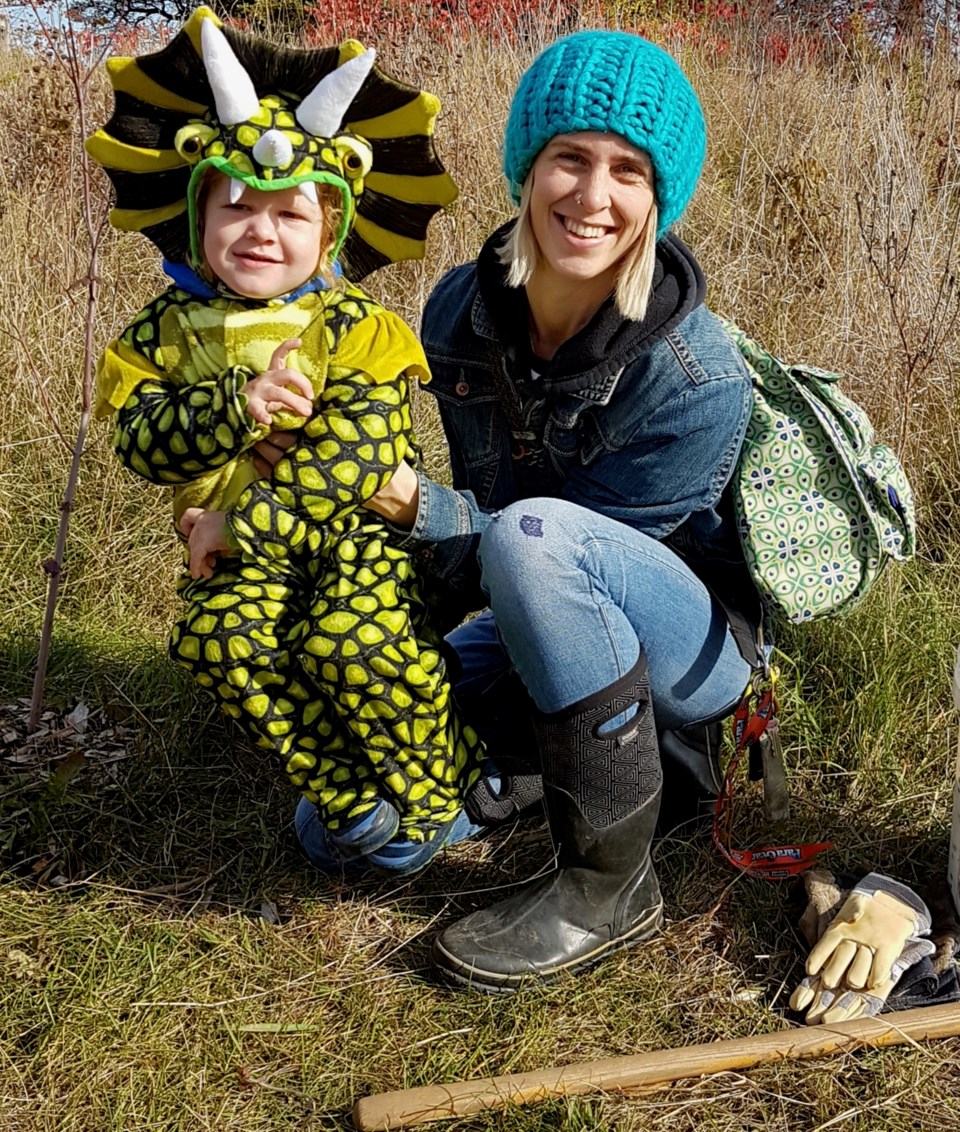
(316,638)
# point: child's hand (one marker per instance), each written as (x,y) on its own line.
(206,533)
(271,392)
(267,453)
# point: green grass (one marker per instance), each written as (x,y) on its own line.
(171,962)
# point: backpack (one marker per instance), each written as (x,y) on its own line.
(821,507)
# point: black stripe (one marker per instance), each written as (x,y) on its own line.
(358,259)
(379,95)
(171,237)
(413,156)
(179,69)
(289,70)
(149,190)
(281,70)
(139,123)
(398,216)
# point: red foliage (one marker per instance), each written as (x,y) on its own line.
(776,48)
(799,47)
(390,19)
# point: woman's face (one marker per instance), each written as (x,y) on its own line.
(589,204)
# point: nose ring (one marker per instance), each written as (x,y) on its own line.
(579,198)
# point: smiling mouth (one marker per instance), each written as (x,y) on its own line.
(584,231)
(251,258)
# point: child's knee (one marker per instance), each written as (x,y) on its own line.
(346,648)
(210,643)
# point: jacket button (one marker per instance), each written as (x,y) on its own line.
(462,388)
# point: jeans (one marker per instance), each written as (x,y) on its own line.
(574,596)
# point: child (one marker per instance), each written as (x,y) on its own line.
(303,618)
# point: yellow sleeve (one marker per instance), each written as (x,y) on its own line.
(119,371)
(383,346)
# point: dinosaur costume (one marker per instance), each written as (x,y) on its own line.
(315,637)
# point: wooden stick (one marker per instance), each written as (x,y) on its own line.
(407,1108)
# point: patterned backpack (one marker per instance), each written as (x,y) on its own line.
(821,506)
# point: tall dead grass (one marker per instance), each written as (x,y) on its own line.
(826,222)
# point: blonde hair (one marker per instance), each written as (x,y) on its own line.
(331,211)
(520,252)
(330,200)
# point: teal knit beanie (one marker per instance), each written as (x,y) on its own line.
(611,82)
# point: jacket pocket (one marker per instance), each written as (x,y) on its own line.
(473,427)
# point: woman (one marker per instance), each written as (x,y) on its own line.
(594,409)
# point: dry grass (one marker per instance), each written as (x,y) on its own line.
(169,962)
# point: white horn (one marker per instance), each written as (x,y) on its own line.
(322,111)
(273,149)
(236,189)
(309,190)
(233,92)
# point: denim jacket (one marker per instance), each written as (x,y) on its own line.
(642,424)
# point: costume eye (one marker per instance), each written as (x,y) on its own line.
(355,155)
(192,139)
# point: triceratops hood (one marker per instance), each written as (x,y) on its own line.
(271,117)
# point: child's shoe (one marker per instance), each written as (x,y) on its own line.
(343,851)
(398,858)
(368,832)
(401,857)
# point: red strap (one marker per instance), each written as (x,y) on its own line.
(772,862)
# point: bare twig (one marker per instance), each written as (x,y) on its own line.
(889,251)
(79,68)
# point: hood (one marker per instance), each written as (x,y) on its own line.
(608,341)
(271,117)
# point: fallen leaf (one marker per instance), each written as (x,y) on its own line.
(77,719)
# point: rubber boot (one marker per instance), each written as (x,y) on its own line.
(501,716)
(518,794)
(603,794)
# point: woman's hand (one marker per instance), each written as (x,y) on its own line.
(267,453)
(271,391)
(399,501)
(206,533)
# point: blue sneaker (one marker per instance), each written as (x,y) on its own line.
(368,832)
(401,857)
(398,858)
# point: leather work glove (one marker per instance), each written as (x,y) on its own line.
(840,1004)
(876,936)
